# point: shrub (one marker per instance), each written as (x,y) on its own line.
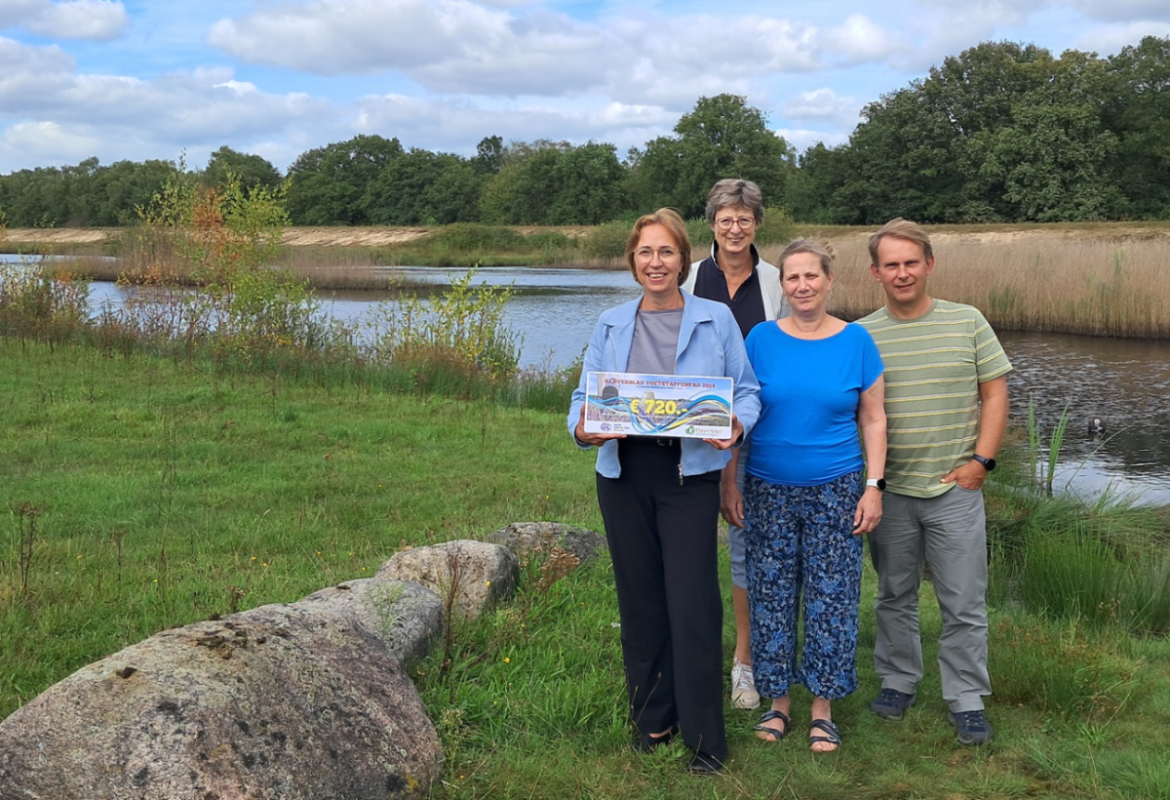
(777,227)
(474,236)
(49,305)
(701,238)
(550,241)
(458,335)
(224,241)
(607,242)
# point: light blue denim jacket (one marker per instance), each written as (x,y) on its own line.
(709,343)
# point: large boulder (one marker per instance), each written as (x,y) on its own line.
(468,576)
(277,703)
(407,617)
(543,539)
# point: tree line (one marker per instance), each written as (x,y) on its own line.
(1001,132)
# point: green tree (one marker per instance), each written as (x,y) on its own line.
(1051,156)
(1002,131)
(489,155)
(250,170)
(1140,116)
(815,189)
(425,188)
(329,185)
(535,189)
(589,186)
(722,137)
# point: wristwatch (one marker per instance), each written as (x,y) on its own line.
(988,463)
(880,483)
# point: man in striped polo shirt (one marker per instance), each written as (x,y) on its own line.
(946,410)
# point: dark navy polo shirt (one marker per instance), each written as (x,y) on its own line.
(748,304)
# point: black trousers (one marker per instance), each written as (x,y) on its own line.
(662,538)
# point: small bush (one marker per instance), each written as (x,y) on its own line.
(701,237)
(49,305)
(777,227)
(607,241)
(473,236)
(458,335)
(550,241)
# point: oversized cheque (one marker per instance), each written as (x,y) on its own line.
(683,406)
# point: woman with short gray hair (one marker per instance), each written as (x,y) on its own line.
(735,275)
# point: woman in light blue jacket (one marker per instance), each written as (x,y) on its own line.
(659,497)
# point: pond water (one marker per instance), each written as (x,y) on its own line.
(1124,383)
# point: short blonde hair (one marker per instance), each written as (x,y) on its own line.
(899,228)
(669,219)
(821,251)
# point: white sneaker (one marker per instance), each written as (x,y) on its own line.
(743,686)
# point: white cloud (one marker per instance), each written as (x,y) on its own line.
(453,125)
(50,142)
(49,108)
(15,12)
(859,40)
(239,87)
(824,104)
(91,20)
(941,28)
(1111,38)
(801,139)
(463,48)
(334,37)
(1125,10)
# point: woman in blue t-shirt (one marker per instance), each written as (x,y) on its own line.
(807,503)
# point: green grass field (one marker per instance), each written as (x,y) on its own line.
(138,493)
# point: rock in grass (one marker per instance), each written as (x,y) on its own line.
(407,617)
(528,538)
(277,702)
(473,575)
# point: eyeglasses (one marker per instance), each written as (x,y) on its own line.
(647,253)
(744,223)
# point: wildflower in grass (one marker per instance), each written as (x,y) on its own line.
(507,660)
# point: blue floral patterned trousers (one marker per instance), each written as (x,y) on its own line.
(800,542)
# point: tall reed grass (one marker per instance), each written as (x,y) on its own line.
(1043,284)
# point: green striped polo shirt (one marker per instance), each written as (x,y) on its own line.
(934,365)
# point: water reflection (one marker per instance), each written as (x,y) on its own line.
(1122,382)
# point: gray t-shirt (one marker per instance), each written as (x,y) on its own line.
(655,342)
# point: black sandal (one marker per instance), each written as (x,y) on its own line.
(833,735)
(768,716)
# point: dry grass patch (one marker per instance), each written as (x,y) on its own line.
(1032,280)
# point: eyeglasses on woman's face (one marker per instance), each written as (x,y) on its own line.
(726,223)
(646,254)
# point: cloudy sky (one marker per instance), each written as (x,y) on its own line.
(141,79)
